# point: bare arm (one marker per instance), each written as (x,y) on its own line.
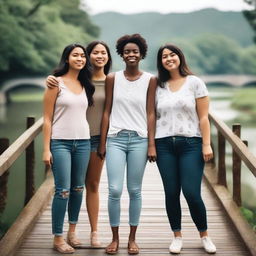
(202,106)
(49,102)
(109,85)
(151,119)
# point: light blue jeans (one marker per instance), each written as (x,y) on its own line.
(127,150)
(70,161)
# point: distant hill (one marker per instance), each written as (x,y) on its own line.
(160,28)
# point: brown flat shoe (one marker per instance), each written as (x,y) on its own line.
(112,249)
(73,240)
(64,248)
(133,250)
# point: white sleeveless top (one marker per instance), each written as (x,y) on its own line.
(176,111)
(69,118)
(129,104)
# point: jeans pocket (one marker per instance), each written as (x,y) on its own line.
(194,140)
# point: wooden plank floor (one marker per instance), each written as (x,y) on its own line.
(154,234)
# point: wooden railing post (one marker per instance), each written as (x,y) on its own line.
(30,164)
(4,144)
(236,169)
(222,180)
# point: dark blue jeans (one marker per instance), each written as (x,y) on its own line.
(180,162)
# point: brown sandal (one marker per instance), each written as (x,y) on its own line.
(64,248)
(133,250)
(112,250)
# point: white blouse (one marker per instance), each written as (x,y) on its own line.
(176,111)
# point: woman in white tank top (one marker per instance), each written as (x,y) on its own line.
(125,123)
(67,140)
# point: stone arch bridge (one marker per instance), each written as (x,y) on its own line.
(230,80)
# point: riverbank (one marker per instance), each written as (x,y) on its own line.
(244,101)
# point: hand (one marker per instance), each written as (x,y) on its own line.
(151,154)
(51,82)
(207,152)
(101,151)
(47,158)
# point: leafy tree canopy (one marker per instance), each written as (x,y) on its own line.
(34,33)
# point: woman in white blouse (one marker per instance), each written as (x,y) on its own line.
(182,137)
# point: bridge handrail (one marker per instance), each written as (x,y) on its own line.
(18,147)
(237,144)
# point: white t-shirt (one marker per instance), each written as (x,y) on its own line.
(129,104)
(69,118)
(176,111)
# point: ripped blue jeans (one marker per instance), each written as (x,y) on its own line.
(70,161)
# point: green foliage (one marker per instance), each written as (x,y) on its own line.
(219,54)
(34,33)
(250,216)
(244,101)
(250,15)
(248,60)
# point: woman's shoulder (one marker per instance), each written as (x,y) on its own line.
(195,78)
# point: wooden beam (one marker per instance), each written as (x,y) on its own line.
(237,144)
(27,218)
(242,227)
(18,147)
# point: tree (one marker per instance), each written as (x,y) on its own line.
(34,32)
(219,54)
(250,15)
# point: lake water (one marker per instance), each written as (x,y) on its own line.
(13,123)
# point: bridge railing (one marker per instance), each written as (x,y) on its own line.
(231,202)
(34,202)
(240,152)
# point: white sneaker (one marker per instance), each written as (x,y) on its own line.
(176,245)
(208,244)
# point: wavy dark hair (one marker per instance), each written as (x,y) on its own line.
(163,74)
(134,38)
(85,74)
(90,48)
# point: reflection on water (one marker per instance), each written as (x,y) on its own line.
(222,110)
(12,125)
(2,113)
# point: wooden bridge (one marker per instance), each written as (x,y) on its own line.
(31,232)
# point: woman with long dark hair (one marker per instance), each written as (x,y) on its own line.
(67,140)
(101,61)
(183,141)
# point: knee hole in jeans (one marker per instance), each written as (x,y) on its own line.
(64,193)
(78,189)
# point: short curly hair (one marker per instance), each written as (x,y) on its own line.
(134,38)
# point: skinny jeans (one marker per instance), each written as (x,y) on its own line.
(125,151)
(180,162)
(70,161)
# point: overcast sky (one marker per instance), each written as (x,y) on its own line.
(162,6)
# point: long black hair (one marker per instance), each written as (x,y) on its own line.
(85,74)
(163,74)
(90,48)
